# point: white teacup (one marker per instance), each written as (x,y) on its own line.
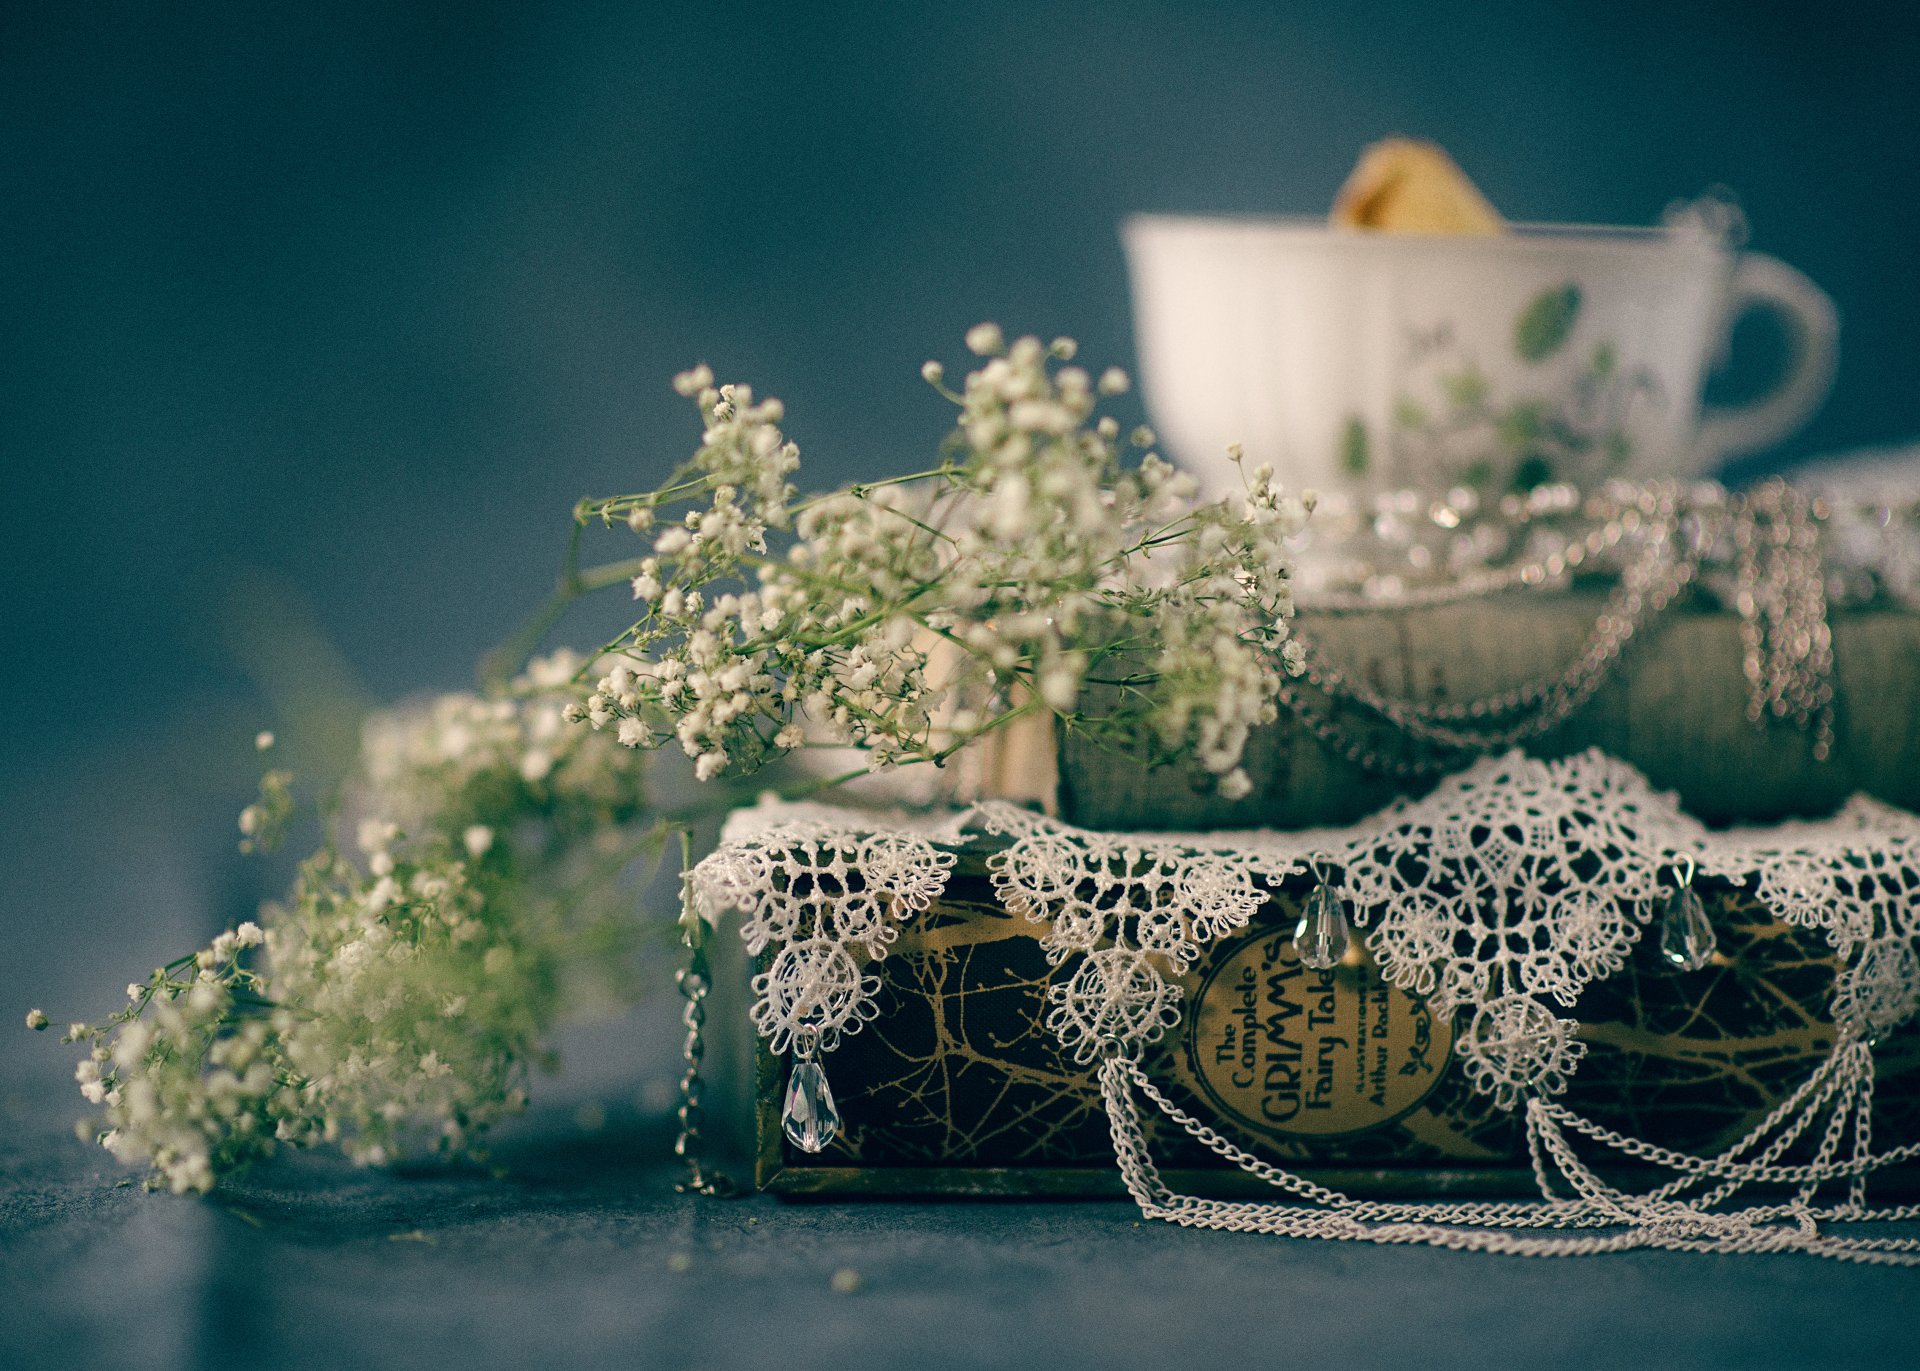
(1362,360)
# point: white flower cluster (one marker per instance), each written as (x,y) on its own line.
(1222,629)
(405,989)
(906,616)
(735,645)
(408,1011)
(184,1074)
(458,762)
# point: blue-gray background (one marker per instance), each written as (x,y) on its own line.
(316,319)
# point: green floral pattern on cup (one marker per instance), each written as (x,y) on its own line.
(1543,326)
(1470,437)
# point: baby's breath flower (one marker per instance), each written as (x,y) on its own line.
(1059,687)
(1031,552)
(264,822)
(37,1020)
(984,340)
(410,991)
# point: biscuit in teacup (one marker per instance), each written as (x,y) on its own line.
(1405,185)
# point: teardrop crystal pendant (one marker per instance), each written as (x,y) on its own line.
(1686,934)
(1321,936)
(810,1118)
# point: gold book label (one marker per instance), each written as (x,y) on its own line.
(1292,1052)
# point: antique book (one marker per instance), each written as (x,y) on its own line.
(957,1086)
(1674,706)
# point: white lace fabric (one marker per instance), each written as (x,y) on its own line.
(1499,897)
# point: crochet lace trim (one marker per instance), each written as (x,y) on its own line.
(1498,897)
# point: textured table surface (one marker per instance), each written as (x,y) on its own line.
(583,1256)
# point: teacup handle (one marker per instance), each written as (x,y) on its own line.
(1813,342)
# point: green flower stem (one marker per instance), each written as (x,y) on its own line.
(653,839)
(1028,706)
(511,656)
(860,488)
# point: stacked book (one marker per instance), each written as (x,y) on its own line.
(1675,706)
(958,1086)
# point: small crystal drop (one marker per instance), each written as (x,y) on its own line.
(1321,936)
(810,1118)
(1686,934)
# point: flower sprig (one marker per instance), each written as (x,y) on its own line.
(395,1001)
(1042,555)
(187,1072)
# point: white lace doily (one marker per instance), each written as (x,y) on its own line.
(1499,897)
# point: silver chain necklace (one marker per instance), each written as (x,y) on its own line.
(1782,599)
(1780,595)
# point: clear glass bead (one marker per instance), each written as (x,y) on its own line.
(1321,937)
(810,1118)
(1686,934)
